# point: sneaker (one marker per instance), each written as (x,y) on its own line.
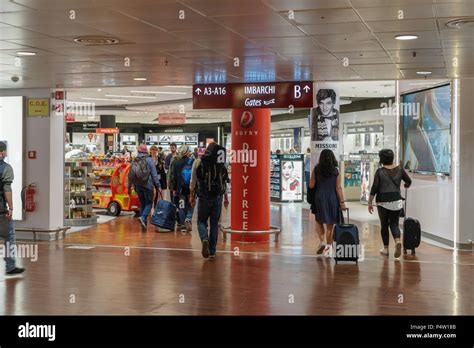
(189,226)
(321,248)
(15,271)
(143,223)
(328,251)
(383,251)
(212,256)
(179,227)
(205,249)
(398,250)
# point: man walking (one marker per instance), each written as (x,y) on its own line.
(209,182)
(180,180)
(7,228)
(144,178)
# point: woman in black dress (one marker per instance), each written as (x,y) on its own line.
(328,198)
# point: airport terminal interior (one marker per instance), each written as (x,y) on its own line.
(87,85)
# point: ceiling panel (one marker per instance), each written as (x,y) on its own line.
(75,4)
(126,27)
(286,5)
(403,25)
(334,28)
(455,9)
(388,3)
(5,45)
(227,7)
(45,43)
(361,54)
(7,6)
(61,29)
(29,18)
(354,46)
(344,38)
(374,14)
(11,33)
(325,16)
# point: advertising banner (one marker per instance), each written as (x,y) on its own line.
(324,122)
(292,177)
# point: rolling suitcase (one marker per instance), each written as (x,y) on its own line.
(411,231)
(346,239)
(164,215)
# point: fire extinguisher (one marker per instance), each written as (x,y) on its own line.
(28,197)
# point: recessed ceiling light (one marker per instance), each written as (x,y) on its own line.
(26,53)
(406,37)
(461,23)
(423,72)
(139,78)
(99,89)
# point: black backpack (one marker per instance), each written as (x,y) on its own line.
(139,171)
(3,201)
(212,174)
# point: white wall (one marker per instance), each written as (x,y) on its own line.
(11,131)
(46,136)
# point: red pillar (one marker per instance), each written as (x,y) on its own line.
(250,209)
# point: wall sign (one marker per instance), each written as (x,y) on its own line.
(107,130)
(90,126)
(253,95)
(365,129)
(173,118)
(38,107)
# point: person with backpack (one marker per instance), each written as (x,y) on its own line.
(180,180)
(386,189)
(7,229)
(209,181)
(144,178)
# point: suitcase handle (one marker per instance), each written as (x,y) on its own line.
(348,217)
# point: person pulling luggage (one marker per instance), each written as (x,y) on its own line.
(386,191)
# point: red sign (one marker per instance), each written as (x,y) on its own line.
(32,154)
(107,130)
(59,95)
(172,118)
(279,95)
(70,117)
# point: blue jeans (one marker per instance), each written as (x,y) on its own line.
(185,209)
(209,208)
(145,196)
(10,243)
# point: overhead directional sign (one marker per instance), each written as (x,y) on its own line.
(277,95)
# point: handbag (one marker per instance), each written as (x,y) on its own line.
(402,211)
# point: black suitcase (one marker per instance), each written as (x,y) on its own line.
(346,239)
(411,232)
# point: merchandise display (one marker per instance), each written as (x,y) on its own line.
(286,178)
(111,185)
(78,177)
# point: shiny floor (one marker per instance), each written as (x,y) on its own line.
(115,269)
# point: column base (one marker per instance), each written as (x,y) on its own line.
(251,236)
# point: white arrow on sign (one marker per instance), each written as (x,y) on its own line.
(306,88)
(198,91)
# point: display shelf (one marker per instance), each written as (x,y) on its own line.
(78,190)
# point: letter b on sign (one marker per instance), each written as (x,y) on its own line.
(297,90)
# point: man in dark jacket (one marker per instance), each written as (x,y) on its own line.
(7,229)
(145,191)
